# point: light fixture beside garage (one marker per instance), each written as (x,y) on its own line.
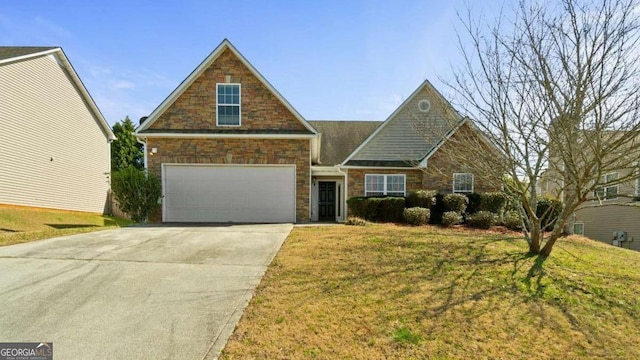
(153,150)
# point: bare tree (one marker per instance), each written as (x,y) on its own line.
(554,85)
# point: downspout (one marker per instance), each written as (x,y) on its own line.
(346,191)
(144,149)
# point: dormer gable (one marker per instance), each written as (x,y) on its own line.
(410,133)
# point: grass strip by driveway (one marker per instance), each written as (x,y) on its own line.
(23,224)
(387,291)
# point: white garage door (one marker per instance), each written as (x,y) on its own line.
(204,193)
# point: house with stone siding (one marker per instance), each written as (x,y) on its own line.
(230,148)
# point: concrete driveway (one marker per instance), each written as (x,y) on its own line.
(134,293)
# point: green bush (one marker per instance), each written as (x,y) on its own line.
(493,202)
(390,209)
(381,209)
(421,198)
(137,192)
(416,216)
(552,208)
(450,218)
(512,220)
(482,220)
(455,202)
(357,206)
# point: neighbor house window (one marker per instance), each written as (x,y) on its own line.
(607,192)
(578,228)
(462,183)
(391,185)
(228,104)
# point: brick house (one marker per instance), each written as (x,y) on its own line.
(230,148)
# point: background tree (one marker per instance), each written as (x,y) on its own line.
(126,151)
(554,85)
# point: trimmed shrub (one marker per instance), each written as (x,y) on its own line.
(416,216)
(357,206)
(455,202)
(474,203)
(137,192)
(553,208)
(512,220)
(493,202)
(482,220)
(390,209)
(382,209)
(356,221)
(421,198)
(450,218)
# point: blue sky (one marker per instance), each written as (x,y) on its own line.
(332,60)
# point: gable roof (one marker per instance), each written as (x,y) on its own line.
(12,52)
(339,138)
(224,45)
(9,54)
(425,137)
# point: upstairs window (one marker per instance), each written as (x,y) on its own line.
(462,183)
(228,105)
(390,185)
(606,191)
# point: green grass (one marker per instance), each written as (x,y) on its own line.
(387,291)
(22,224)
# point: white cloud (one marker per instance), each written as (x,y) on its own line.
(122,84)
(37,31)
(120,91)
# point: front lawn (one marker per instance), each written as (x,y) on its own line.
(388,291)
(22,224)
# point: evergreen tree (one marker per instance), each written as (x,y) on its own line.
(126,151)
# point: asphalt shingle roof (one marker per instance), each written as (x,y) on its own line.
(340,138)
(8,52)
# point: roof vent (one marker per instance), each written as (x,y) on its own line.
(424,105)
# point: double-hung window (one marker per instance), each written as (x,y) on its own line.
(606,190)
(228,105)
(391,185)
(462,183)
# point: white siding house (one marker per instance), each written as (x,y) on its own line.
(54,142)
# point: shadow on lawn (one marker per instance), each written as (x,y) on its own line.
(70,226)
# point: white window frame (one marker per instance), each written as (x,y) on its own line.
(385,191)
(604,188)
(574,228)
(453,185)
(239,105)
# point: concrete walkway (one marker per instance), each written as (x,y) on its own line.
(134,293)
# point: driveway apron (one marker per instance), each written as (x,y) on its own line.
(166,292)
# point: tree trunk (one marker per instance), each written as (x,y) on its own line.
(546,250)
(535,237)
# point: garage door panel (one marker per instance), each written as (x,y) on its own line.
(229,193)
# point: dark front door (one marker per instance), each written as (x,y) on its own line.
(327,201)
